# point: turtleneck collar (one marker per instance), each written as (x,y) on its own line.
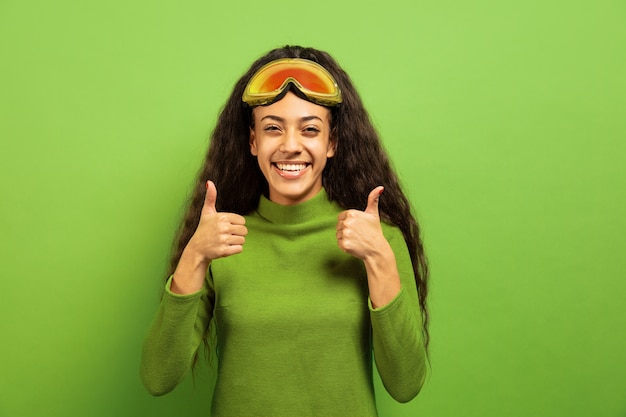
(298,213)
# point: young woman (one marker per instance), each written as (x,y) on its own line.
(301,248)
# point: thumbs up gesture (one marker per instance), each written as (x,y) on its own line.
(359,232)
(218,235)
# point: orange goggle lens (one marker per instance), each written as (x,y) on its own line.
(307,76)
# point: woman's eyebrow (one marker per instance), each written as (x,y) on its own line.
(309,118)
(270,116)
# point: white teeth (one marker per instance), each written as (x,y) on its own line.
(291,167)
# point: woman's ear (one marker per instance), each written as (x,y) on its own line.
(332,145)
(253,149)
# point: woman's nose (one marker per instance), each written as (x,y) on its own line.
(291,142)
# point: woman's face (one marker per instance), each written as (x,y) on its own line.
(291,140)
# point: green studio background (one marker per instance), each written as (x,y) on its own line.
(505,121)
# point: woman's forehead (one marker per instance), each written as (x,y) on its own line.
(292,108)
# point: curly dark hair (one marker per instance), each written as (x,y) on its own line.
(359,156)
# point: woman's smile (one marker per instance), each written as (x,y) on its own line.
(291,170)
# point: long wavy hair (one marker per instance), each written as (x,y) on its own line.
(359,165)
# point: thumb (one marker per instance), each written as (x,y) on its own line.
(372,200)
(210,198)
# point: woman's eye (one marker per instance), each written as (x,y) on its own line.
(312,129)
(270,128)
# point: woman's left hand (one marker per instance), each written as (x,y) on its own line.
(359,232)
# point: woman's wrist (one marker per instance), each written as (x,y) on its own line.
(190,273)
(383,278)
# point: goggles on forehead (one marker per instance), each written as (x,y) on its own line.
(309,77)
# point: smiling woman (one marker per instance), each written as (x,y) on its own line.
(292,143)
(300,262)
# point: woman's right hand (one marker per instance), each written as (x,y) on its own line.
(218,235)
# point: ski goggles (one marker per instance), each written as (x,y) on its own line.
(309,77)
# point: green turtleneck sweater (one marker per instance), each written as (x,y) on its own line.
(295,328)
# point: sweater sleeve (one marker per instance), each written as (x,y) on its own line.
(397,331)
(174,337)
